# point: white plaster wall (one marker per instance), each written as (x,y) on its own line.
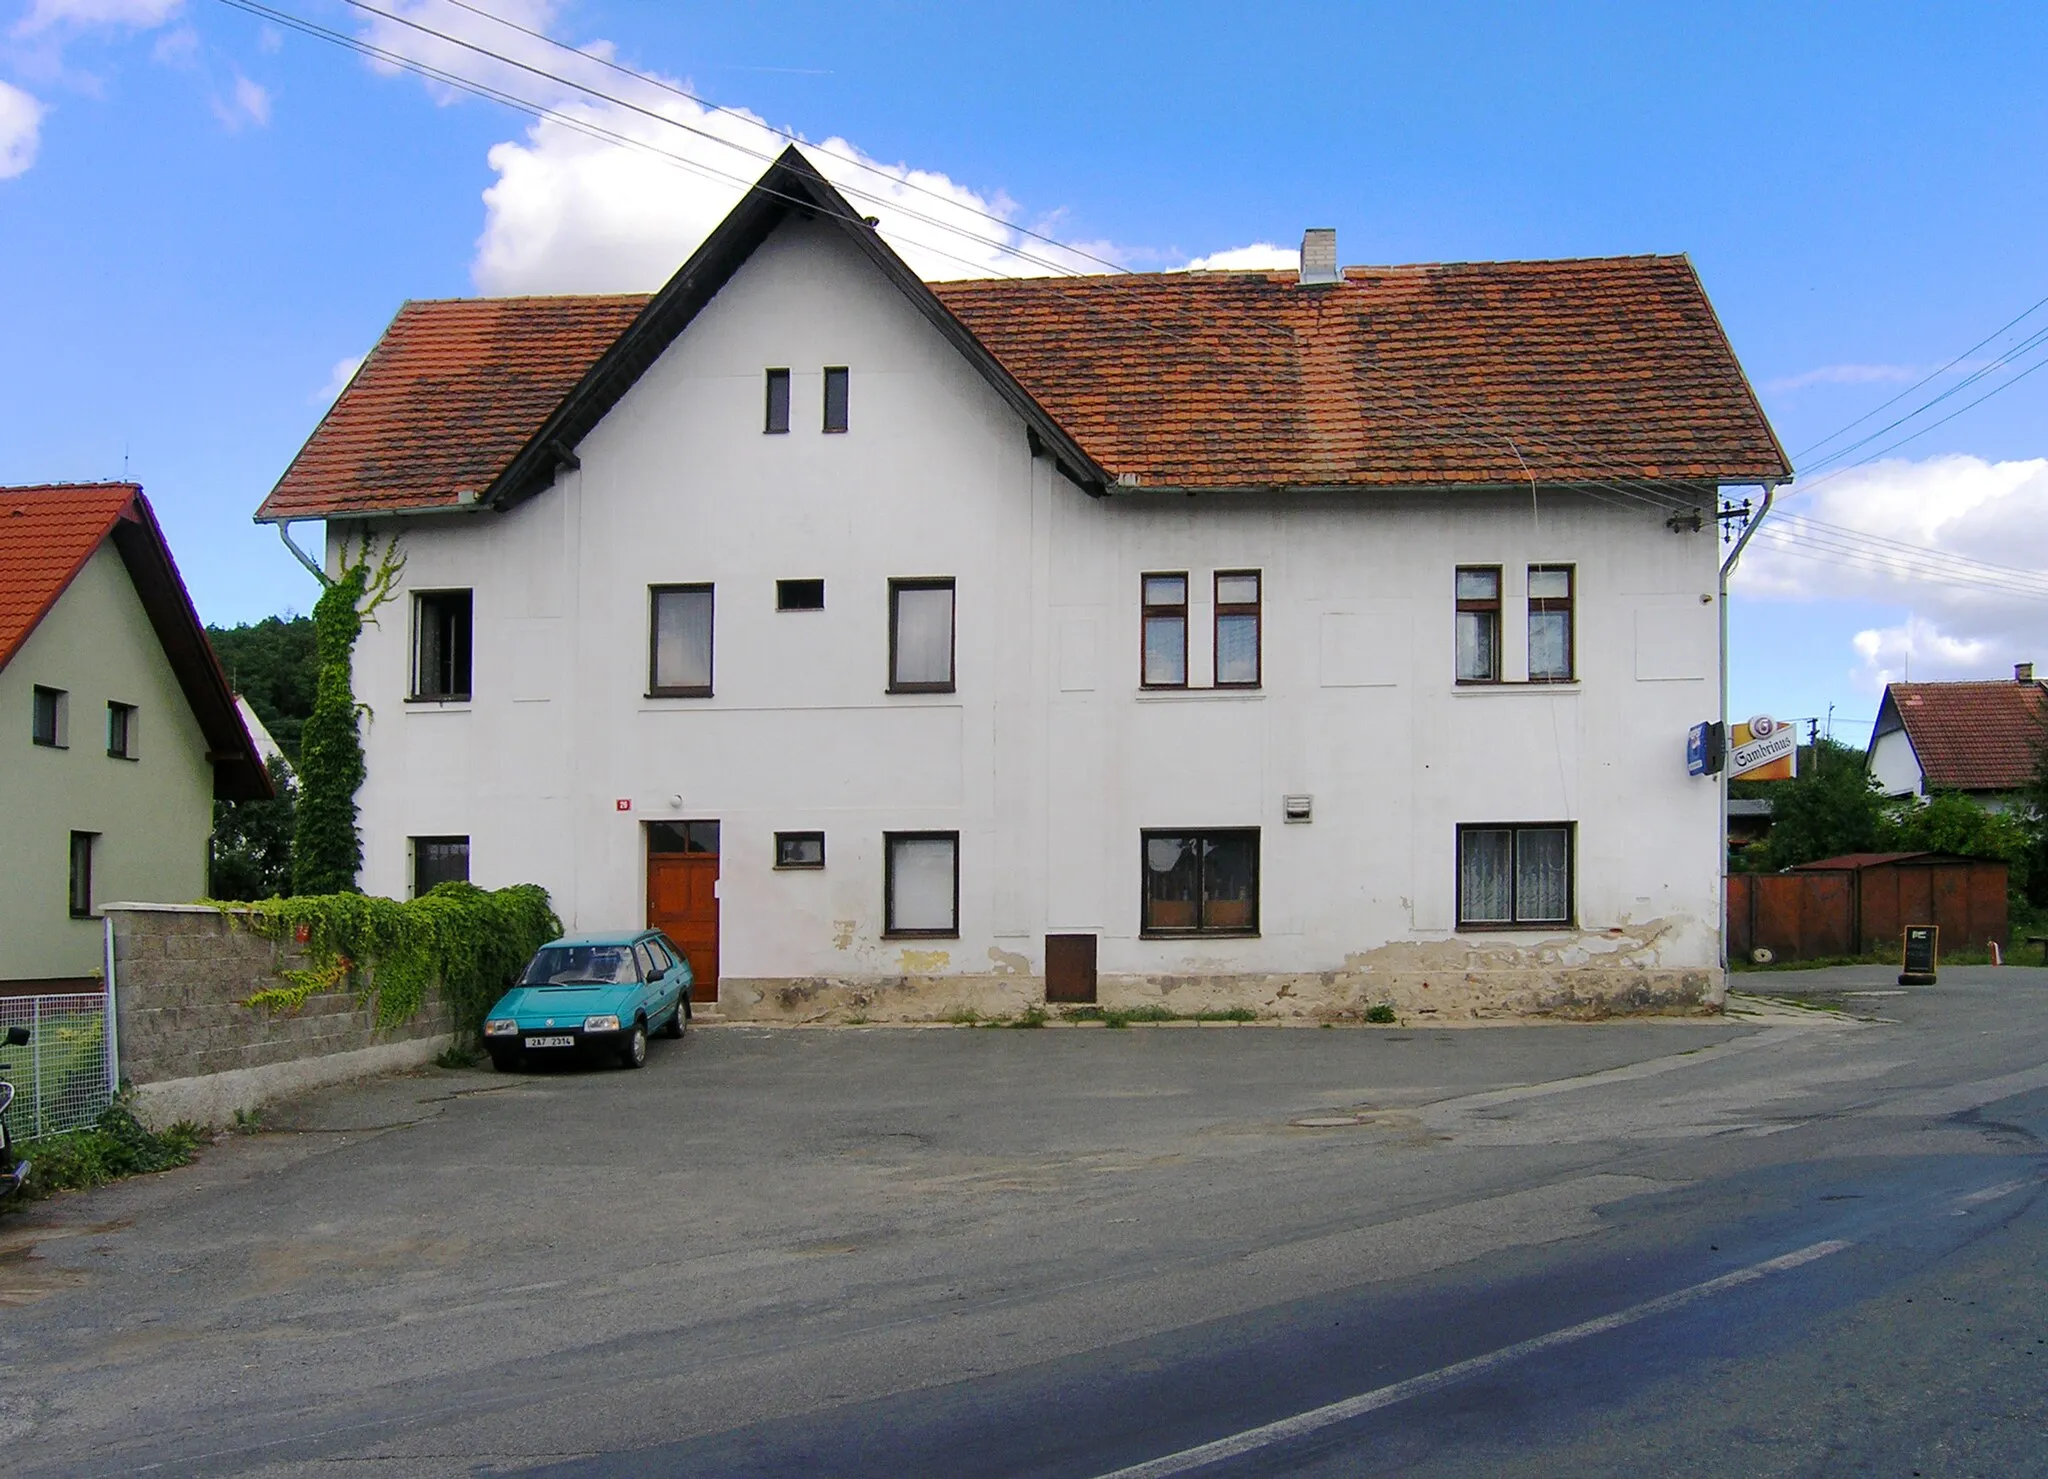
(1048,759)
(1895,765)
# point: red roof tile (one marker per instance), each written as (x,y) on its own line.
(47,533)
(447,398)
(1972,736)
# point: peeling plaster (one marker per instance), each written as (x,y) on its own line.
(925,962)
(1009,962)
(842,933)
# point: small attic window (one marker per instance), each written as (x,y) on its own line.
(778,403)
(835,398)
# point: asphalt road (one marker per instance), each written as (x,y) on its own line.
(1808,1242)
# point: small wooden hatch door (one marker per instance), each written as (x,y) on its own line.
(1070,968)
(682,895)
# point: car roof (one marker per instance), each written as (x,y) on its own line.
(607,937)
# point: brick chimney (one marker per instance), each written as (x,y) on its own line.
(2022,672)
(1319,256)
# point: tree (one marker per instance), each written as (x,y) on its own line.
(271,663)
(1953,823)
(1832,807)
(252,842)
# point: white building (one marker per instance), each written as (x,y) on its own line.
(1214,638)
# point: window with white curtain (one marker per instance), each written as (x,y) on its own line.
(679,643)
(921,636)
(1515,874)
(921,883)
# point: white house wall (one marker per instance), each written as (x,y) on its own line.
(1894,764)
(1049,758)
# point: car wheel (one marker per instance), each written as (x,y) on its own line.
(503,1061)
(675,1023)
(634,1053)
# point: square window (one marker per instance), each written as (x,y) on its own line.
(921,636)
(437,860)
(799,595)
(921,883)
(1552,658)
(778,403)
(81,873)
(121,736)
(799,849)
(1514,875)
(679,643)
(1478,599)
(835,398)
(1237,629)
(441,644)
(1165,631)
(47,726)
(1201,883)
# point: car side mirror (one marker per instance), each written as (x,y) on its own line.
(17,1037)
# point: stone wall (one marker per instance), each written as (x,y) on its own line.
(194,1051)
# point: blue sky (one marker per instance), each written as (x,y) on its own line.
(205,214)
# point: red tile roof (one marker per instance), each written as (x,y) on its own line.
(1590,370)
(47,533)
(1971,736)
(447,398)
(1454,375)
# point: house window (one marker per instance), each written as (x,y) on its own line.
(1479,624)
(921,883)
(121,736)
(1551,654)
(438,860)
(778,403)
(921,636)
(799,595)
(799,849)
(441,644)
(1165,631)
(51,710)
(81,873)
(1510,875)
(835,398)
(1237,629)
(1201,883)
(679,643)
(668,838)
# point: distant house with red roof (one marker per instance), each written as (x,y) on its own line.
(117,729)
(1292,639)
(1982,738)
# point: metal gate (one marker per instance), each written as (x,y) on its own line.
(69,1069)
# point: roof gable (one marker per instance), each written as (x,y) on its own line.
(49,531)
(1969,736)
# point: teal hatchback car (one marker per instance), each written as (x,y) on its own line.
(589,995)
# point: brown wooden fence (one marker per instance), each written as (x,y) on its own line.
(1861,904)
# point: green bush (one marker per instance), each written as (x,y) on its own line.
(118,1145)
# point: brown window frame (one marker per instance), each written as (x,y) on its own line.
(463,667)
(784,838)
(681,690)
(79,892)
(1515,830)
(889,929)
(1148,611)
(1465,604)
(1568,604)
(945,583)
(1201,928)
(53,737)
(121,728)
(1255,610)
(840,375)
(775,407)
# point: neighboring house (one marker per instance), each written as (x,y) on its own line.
(1296,642)
(120,731)
(267,747)
(1982,739)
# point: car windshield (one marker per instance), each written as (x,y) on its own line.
(581,965)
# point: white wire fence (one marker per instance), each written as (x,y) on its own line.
(65,1075)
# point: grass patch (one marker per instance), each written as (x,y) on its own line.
(1031,1016)
(1125,1016)
(118,1145)
(459,1054)
(962,1017)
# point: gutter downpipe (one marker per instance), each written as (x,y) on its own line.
(284,532)
(113,1028)
(1727,568)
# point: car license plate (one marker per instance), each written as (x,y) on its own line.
(551,1042)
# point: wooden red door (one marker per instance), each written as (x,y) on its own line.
(682,899)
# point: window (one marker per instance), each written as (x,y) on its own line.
(441,643)
(778,403)
(799,849)
(921,636)
(438,860)
(121,735)
(921,883)
(1166,631)
(1201,883)
(799,595)
(835,398)
(51,710)
(650,963)
(679,644)
(1551,655)
(1479,624)
(1509,875)
(81,873)
(1237,629)
(667,838)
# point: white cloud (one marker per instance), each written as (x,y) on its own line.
(337,380)
(1260,256)
(141,15)
(246,102)
(1845,375)
(21,126)
(1981,513)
